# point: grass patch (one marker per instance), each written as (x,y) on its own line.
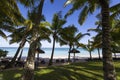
(77,71)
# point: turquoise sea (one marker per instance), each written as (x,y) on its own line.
(58,53)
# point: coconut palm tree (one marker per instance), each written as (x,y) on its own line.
(19,36)
(9,17)
(29,68)
(89,47)
(10,11)
(68,37)
(97,40)
(56,28)
(71,38)
(89,7)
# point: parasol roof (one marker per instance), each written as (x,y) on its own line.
(38,50)
(74,51)
(116,51)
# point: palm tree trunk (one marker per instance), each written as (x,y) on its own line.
(90,55)
(29,66)
(69,54)
(115,55)
(99,53)
(51,59)
(19,58)
(109,70)
(38,57)
(11,64)
(74,57)
(40,8)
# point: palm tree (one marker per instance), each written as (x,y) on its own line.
(89,7)
(71,38)
(89,47)
(20,36)
(56,28)
(29,68)
(97,40)
(68,37)
(9,20)
(10,11)
(9,17)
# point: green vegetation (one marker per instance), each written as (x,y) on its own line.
(3,53)
(76,71)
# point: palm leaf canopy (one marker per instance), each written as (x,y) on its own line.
(10,9)
(85,6)
(30,3)
(67,35)
(57,22)
(115,11)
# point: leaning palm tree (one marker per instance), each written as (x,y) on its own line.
(56,28)
(9,16)
(10,11)
(19,36)
(89,7)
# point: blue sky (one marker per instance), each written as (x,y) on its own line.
(49,9)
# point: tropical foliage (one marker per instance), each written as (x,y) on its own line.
(35,29)
(56,28)
(3,53)
(88,7)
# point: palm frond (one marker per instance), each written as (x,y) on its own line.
(2,34)
(115,11)
(95,30)
(83,15)
(52,1)
(27,3)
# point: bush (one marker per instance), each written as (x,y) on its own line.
(3,53)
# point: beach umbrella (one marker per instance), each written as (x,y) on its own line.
(39,51)
(74,51)
(116,51)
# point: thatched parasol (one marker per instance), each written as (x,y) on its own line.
(74,51)
(39,51)
(116,51)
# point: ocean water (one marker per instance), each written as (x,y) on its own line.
(58,53)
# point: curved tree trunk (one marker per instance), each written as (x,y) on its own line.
(73,57)
(51,59)
(115,55)
(90,55)
(99,52)
(109,70)
(19,58)
(69,54)
(29,66)
(12,63)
